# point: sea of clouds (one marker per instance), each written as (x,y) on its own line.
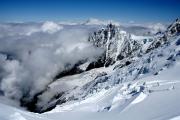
(31,54)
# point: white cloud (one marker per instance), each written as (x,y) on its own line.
(51,27)
(157,27)
(39,56)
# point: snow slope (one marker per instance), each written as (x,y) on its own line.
(159,100)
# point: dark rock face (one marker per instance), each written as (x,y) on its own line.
(98,63)
(30,104)
(158,42)
(69,71)
(174,28)
(178,42)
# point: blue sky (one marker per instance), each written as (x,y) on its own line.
(78,10)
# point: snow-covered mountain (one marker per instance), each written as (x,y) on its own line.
(117,43)
(130,75)
(139,59)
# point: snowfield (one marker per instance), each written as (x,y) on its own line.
(144,84)
(158,101)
